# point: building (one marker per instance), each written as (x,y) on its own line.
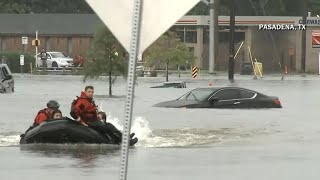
(72,34)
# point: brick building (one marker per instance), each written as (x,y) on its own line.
(68,33)
(72,35)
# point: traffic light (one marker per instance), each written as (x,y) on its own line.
(36,42)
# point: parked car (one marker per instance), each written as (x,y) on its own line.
(7,81)
(56,59)
(223,97)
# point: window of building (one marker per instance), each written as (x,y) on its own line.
(238,37)
(191,36)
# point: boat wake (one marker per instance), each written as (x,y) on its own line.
(187,137)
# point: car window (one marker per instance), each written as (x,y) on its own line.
(4,72)
(246,94)
(57,55)
(198,94)
(227,94)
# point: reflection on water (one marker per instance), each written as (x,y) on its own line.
(85,153)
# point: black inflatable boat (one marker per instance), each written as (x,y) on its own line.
(62,131)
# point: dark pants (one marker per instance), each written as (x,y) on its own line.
(107,129)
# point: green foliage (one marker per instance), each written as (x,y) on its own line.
(105,58)
(44,6)
(13,61)
(199,9)
(168,49)
(9,7)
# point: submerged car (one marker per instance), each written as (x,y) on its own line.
(6,79)
(171,85)
(222,97)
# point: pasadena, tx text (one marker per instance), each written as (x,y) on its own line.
(282,27)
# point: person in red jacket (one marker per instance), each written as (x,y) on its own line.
(84,110)
(46,113)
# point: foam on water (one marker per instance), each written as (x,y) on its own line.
(172,137)
(9,139)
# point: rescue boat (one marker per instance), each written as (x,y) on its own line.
(62,131)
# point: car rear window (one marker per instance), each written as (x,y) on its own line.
(199,94)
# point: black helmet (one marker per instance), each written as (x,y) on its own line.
(53,104)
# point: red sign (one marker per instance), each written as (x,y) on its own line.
(290,51)
(316,39)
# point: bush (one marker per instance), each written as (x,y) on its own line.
(13,61)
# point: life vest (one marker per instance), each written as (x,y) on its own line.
(72,109)
(85,113)
(47,112)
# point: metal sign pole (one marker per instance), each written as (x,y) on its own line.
(211,38)
(36,61)
(134,47)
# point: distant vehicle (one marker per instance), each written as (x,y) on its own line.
(56,59)
(7,82)
(223,97)
(171,85)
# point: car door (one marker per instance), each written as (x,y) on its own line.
(227,98)
(246,99)
(49,60)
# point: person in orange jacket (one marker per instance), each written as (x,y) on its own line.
(84,110)
(46,113)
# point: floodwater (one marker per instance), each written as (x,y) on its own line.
(262,144)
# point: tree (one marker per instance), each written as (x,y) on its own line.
(6,7)
(168,49)
(105,58)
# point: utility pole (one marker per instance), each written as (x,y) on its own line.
(231,39)
(211,34)
(304,35)
(211,38)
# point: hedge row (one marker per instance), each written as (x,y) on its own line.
(13,61)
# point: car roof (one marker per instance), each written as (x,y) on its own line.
(226,87)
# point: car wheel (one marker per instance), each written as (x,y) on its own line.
(54,64)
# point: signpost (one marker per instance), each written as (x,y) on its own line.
(36,43)
(136,25)
(21,62)
(24,41)
(316,39)
(319,62)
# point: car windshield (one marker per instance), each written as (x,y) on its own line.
(57,55)
(200,94)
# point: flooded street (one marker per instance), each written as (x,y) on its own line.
(182,143)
